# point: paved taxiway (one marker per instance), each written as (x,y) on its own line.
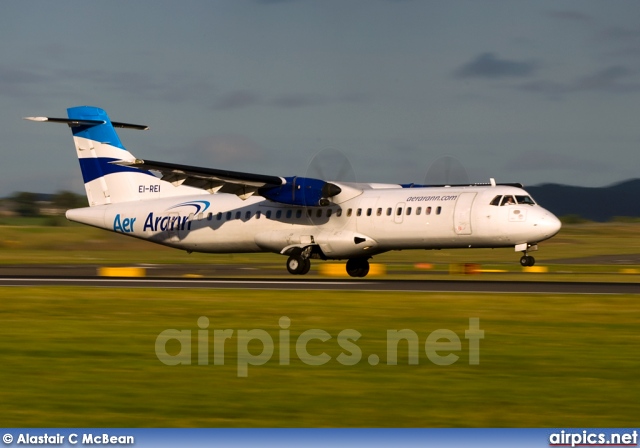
(494,287)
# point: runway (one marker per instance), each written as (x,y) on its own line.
(473,286)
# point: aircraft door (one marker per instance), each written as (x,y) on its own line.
(462,214)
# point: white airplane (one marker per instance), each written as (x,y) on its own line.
(217,211)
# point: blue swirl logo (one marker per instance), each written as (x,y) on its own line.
(201,206)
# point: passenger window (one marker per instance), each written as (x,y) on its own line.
(258,215)
(438,210)
(298,213)
(349,213)
(339,212)
(379,212)
(408,211)
(389,211)
(328,213)
(238,214)
(309,212)
(495,201)
(399,211)
(289,213)
(279,214)
(369,212)
(359,212)
(228,216)
(209,216)
(219,216)
(418,210)
(268,214)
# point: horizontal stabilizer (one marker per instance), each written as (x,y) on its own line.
(84,122)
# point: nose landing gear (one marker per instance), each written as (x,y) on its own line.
(527,260)
(525,248)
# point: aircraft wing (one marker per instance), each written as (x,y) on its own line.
(298,191)
(212,180)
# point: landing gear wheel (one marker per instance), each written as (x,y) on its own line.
(357,267)
(306,267)
(527,260)
(296,264)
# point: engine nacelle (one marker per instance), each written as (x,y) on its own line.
(302,191)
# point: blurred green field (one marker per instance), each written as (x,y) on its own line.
(85,357)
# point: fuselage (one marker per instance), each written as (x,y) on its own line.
(201,209)
(375,221)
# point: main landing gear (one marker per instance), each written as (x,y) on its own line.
(358,267)
(299,262)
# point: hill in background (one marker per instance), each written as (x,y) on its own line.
(594,204)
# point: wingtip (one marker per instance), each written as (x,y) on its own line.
(36,119)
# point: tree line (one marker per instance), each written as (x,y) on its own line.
(28,204)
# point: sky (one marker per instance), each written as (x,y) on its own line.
(532,92)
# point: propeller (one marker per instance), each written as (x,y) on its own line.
(315,189)
(329,165)
(446,170)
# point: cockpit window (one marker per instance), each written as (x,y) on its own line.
(525,200)
(511,200)
(508,200)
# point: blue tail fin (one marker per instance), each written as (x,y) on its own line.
(98,147)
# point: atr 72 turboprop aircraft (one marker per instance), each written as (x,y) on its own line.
(217,211)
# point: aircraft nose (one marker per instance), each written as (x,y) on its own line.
(549,225)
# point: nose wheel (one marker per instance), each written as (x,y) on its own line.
(527,260)
(525,248)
